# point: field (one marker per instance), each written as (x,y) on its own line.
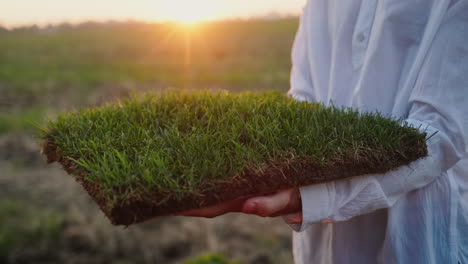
(45,217)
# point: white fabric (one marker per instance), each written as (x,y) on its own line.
(407,59)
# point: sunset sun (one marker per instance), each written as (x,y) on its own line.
(188,12)
(189,17)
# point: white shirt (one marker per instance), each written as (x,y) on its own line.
(407,59)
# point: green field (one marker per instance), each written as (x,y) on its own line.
(50,70)
(230,54)
(45,67)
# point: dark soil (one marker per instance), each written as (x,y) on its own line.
(276,176)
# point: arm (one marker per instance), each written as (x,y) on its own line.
(437,103)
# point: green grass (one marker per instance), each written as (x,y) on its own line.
(176,142)
(210,259)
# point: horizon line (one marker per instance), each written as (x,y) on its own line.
(78,22)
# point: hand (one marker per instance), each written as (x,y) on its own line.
(276,204)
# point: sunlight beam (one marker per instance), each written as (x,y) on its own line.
(188,12)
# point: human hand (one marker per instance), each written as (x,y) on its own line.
(279,203)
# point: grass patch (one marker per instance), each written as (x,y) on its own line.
(183,146)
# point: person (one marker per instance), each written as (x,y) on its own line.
(407,59)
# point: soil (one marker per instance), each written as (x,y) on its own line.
(276,176)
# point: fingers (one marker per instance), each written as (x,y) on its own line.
(280,203)
(266,205)
(215,210)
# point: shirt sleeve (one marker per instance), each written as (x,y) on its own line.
(301,81)
(437,103)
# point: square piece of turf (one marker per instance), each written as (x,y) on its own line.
(158,154)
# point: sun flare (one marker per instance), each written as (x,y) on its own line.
(188,12)
(189,18)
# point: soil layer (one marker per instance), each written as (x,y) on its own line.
(277,175)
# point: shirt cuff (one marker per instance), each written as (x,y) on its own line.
(316,203)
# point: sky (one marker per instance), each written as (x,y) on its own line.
(25,12)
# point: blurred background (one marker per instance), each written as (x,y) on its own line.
(59,55)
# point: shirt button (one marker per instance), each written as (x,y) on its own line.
(361,37)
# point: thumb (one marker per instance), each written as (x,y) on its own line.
(270,205)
